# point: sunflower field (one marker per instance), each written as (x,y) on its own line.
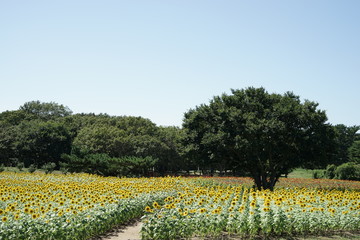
(73,206)
(212,210)
(82,206)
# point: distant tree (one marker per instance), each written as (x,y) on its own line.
(103,164)
(266,134)
(172,156)
(38,142)
(13,117)
(7,141)
(345,137)
(100,138)
(120,137)
(45,111)
(135,125)
(354,152)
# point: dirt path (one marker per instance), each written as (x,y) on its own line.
(129,232)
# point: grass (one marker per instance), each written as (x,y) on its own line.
(301,173)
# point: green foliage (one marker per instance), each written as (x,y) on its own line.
(348,171)
(38,142)
(330,171)
(20,166)
(134,166)
(2,167)
(103,164)
(354,152)
(45,111)
(171,158)
(316,174)
(132,136)
(102,139)
(8,135)
(49,167)
(32,168)
(11,118)
(345,139)
(265,134)
(39,133)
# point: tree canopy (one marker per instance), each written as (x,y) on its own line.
(266,134)
(345,138)
(39,133)
(45,110)
(249,132)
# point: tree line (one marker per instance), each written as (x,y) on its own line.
(248,132)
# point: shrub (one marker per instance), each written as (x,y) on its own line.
(20,166)
(2,168)
(348,171)
(63,168)
(103,164)
(49,167)
(32,168)
(318,174)
(330,171)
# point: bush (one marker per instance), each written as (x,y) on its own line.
(134,166)
(318,174)
(91,163)
(49,167)
(32,168)
(348,171)
(103,164)
(330,171)
(64,169)
(2,168)
(20,166)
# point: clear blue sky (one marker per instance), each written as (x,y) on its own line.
(158,59)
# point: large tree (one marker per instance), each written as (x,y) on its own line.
(265,134)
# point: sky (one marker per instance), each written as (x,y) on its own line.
(158,59)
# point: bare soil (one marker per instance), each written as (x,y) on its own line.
(131,231)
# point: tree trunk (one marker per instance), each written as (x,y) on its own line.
(263,181)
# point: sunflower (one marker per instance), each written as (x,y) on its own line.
(148,209)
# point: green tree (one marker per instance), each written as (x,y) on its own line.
(171,158)
(101,138)
(13,117)
(345,137)
(45,111)
(121,136)
(8,135)
(38,142)
(135,125)
(265,134)
(354,152)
